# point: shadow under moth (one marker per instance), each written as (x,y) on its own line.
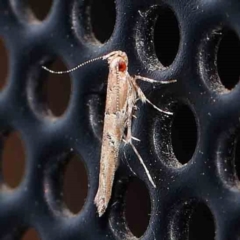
(123,93)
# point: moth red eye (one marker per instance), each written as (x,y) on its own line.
(122,66)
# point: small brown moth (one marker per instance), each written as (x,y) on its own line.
(122,94)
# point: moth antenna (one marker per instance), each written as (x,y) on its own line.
(75,68)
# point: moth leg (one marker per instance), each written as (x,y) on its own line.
(129,131)
(130,108)
(136,139)
(142,162)
(140,159)
(129,136)
(145,79)
(128,163)
(143,98)
(160,110)
(128,140)
(125,142)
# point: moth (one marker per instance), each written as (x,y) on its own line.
(123,93)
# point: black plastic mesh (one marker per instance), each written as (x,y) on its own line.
(193,155)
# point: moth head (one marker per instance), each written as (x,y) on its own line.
(118,60)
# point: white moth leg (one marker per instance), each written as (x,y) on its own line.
(145,79)
(129,130)
(125,141)
(140,159)
(160,110)
(144,166)
(129,164)
(144,99)
(136,139)
(129,120)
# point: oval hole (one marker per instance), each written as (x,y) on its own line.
(75,184)
(103,17)
(4,64)
(13,160)
(227,59)
(166,36)
(138,207)
(31,234)
(201,218)
(57,90)
(40,8)
(184,134)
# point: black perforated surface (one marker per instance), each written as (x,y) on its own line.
(192,156)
